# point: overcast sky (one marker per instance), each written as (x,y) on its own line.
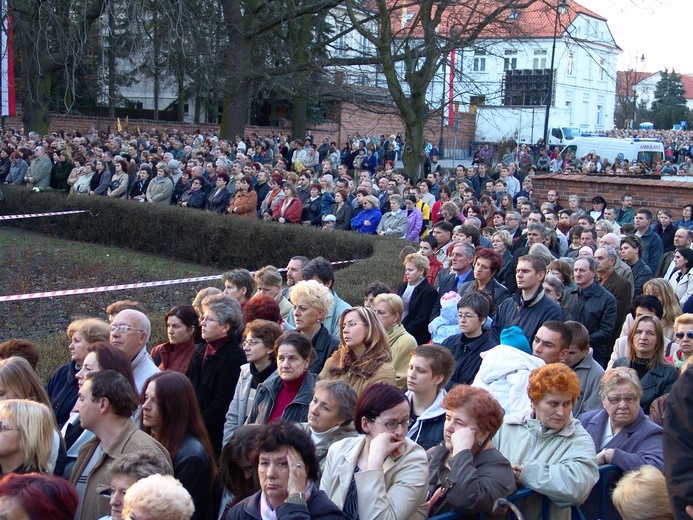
(659,29)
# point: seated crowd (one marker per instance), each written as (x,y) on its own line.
(523,349)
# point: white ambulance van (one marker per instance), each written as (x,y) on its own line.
(635,149)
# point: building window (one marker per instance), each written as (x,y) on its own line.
(600,115)
(539,60)
(479,61)
(569,67)
(601,70)
(510,63)
(479,64)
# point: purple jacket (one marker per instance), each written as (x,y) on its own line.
(636,445)
(415,225)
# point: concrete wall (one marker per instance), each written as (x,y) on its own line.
(647,193)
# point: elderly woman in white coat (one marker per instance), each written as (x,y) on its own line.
(380,474)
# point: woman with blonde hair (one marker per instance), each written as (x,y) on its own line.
(388,308)
(420,300)
(158,497)
(363,357)
(312,302)
(19,381)
(662,290)
(62,385)
(642,495)
(646,357)
(26,437)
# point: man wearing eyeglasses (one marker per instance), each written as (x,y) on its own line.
(130,331)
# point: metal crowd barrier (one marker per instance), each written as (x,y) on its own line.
(523,493)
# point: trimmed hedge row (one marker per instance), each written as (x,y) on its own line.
(189,235)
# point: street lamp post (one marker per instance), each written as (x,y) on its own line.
(635,92)
(561,8)
(441,141)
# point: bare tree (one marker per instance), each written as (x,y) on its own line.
(410,45)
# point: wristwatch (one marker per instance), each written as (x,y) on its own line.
(296,498)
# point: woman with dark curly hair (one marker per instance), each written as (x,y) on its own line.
(381,473)
(550,451)
(363,357)
(467,473)
(287,467)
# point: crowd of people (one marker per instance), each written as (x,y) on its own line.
(527,346)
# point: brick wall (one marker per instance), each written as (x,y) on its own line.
(351,119)
(647,193)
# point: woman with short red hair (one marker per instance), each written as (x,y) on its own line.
(550,451)
(487,263)
(36,495)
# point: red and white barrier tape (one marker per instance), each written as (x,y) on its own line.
(121,287)
(37,215)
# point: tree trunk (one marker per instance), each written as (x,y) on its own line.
(236,98)
(413,153)
(111,63)
(299,111)
(36,81)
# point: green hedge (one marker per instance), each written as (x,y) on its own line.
(180,234)
(185,234)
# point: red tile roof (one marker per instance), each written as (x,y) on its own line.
(624,82)
(535,21)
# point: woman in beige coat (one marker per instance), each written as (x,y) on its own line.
(363,357)
(381,473)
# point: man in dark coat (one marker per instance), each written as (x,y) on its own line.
(593,306)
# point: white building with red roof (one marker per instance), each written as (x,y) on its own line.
(509,65)
(646,85)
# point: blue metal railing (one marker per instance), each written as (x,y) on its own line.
(512,500)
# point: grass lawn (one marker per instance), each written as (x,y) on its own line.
(32,262)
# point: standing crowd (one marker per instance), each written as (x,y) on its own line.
(528,346)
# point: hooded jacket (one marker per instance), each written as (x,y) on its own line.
(504,372)
(427,430)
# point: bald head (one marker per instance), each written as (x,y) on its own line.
(135,335)
(610,239)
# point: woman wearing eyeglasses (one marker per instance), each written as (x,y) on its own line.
(258,346)
(646,357)
(381,473)
(363,357)
(26,437)
(684,337)
(215,367)
(622,433)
